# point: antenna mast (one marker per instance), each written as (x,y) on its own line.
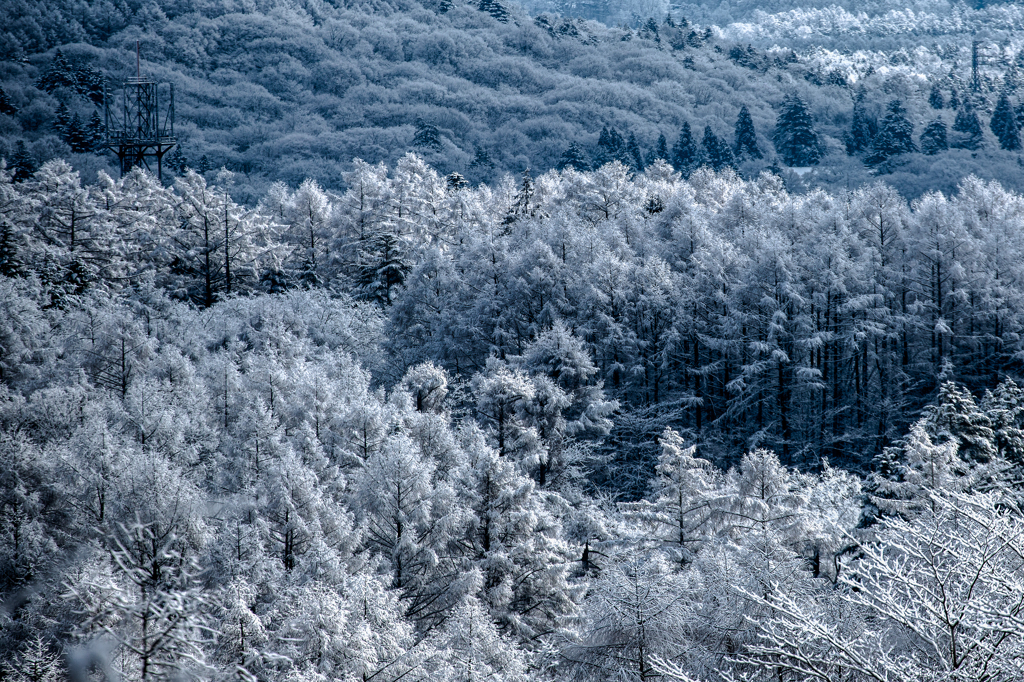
(136,130)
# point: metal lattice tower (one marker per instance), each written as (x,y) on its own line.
(137,130)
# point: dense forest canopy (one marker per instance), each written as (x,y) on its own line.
(286,91)
(478,341)
(588,425)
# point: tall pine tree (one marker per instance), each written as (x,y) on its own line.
(795,139)
(934,138)
(660,151)
(968,128)
(684,152)
(574,157)
(746,137)
(1004,125)
(863,127)
(895,135)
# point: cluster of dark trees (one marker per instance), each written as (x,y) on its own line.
(285,93)
(883,140)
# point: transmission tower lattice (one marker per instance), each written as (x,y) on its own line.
(137,129)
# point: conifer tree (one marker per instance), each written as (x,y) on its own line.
(6,106)
(660,151)
(935,98)
(717,154)
(633,154)
(35,663)
(955,417)
(96,132)
(933,138)
(481,160)
(455,182)
(77,136)
(969,128)
(427,136)
(795,139)
(522,203)
(59,75)
(895,135)
(863,127)
(684,486)
(746,137)
(22,162)
(496,9)
(609,147)
(62,119)
(1004,125)
(684,152)
(574,157)
(1005,408)
(10,262)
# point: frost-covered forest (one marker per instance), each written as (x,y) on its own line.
(279,90)
(593,425)
(474,341)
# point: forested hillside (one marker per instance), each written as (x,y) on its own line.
(478,342)
(590,426)
(286,91)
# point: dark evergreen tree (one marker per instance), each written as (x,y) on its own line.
(746,137)
(618,143)
(496,9)
(610,147)
(427,136)
(633,154)
(795,139)
(685,156)
(22,163)
(933,138)
(717,154)
(481,160)
(61,120)
(968,128)
(650,30)
(204,165)
(176,161)
(96,132)
(709,147)
(77,136)
(955,416)
(1004,125)
(574,157)
(522,204)
(660,151)
(935,98)
(895,135)
(444,6)
(90,83)
(455,182)
(10,262)
(6,106)
(726,159)
(59,75)
(863,127)
(383,269)
(274,281)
